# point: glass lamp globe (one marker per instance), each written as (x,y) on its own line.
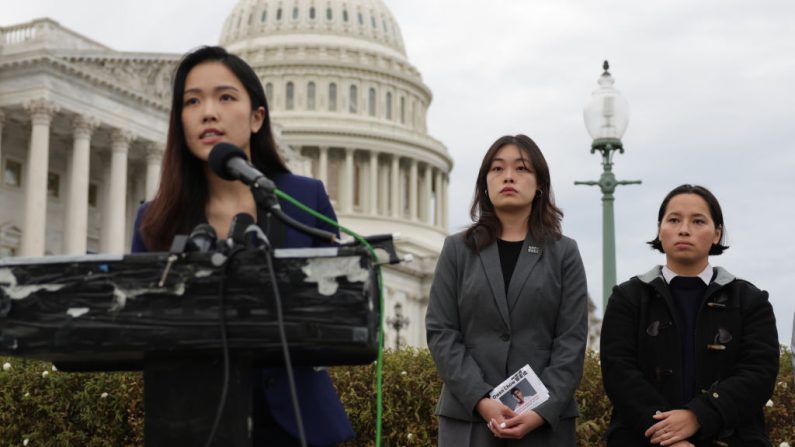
(607,113)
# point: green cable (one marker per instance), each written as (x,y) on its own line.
(379,362)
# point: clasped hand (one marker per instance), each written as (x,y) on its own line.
(504,422)
(674,428)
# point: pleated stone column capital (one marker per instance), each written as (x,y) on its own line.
(84,126)
(77,210)
(42,111)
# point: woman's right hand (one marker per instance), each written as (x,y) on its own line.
(493,411)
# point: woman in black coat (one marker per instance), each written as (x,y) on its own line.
(689,352)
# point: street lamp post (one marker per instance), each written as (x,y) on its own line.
(398,322)
(606,118)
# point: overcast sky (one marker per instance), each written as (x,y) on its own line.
(711,88)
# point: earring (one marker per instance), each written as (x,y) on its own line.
(539,192)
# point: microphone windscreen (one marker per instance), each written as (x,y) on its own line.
(220,155)
(202,238)
(238,226)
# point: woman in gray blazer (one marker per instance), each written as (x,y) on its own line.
(508,291)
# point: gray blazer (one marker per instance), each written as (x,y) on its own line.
(478,334)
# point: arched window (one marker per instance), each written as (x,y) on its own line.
(345,15)
(290,96)
(403,110)
(295,13)
(361,18)
(371,102)
(354,99)
(310,96)
(279,14)
(388,107)
(332,97)
(329,15)
(264,15)
(312,13)
(269,93)
(372,20)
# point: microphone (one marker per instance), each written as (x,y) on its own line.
(202,238)
(237,229)
(255,237)
(230,163)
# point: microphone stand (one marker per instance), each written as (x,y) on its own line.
(265,198)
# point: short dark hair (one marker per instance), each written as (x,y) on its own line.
(544,219)
(714,210)
(181,197)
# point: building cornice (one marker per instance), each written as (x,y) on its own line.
(105,72)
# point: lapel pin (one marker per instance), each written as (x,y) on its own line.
(535,250)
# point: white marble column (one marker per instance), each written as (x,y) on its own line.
(154,160)
(383,191)
(373,186)
(425,196)
(117,205)
(2,121)
(76,225)
(437,215)
(322,166)
(347,182)
(394,189)
(413,190)
(42,112)
(445,181)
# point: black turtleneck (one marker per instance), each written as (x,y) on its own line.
(687,293)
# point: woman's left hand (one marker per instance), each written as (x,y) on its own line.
(674,426)
(518,426)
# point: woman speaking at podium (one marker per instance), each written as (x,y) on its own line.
(217,97)
(507,292)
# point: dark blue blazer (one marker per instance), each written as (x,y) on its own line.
(324,417)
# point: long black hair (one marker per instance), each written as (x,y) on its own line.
(180,200)
(544,219)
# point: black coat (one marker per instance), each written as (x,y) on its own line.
(736,363)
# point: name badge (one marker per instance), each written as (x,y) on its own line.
(535,250)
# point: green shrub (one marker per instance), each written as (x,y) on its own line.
(53,408)
(49,407)
(409,419)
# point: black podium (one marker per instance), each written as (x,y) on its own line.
(159,313)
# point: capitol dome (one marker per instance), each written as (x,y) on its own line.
(347,100)
(364,23)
